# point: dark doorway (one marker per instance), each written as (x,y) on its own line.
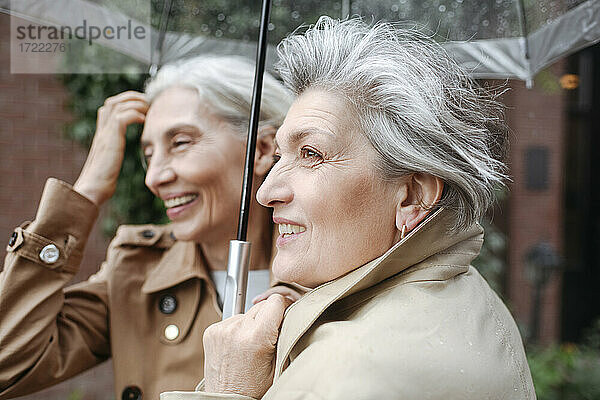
(581,284)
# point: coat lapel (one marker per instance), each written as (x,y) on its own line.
(428,239)
(179,263)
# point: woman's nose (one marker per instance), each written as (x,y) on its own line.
(274,190)
(159,173)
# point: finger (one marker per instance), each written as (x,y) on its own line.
(272,311)
(139,105)
(126,96)
(263,296)
(282,290)
(131,116)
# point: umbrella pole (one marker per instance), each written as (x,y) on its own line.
(239,250)
(162,29)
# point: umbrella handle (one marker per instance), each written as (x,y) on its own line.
(239,250)
(237,278)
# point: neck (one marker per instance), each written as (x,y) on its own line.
(260,234)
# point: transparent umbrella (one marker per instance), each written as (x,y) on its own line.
(491,39)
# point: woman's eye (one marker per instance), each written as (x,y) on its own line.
(181,142)
(276,157)
(308,153)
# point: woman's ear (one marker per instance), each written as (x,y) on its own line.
(416,196)
(265,149)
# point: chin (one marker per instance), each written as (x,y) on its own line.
(291,273)
(183,233)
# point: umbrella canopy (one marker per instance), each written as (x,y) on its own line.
(491,39)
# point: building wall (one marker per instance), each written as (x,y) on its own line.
(33,148)
(537,119)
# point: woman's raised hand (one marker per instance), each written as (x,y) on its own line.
(240,351)
(98,178)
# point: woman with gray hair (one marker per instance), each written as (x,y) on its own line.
(160,286)
(385,162)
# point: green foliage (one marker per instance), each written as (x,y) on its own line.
(566,372)
(491,260)
(76,394)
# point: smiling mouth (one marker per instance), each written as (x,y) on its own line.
(289,229)
(180,201)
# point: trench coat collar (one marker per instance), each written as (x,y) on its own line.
(181,262)
(430,238)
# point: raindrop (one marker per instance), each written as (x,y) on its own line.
(450,14)
(271,26)
(195,11)
(204,28)
(485,22)
(462,371)
(543,9)
(442,8)
(395,8)
(470,343)
(218,33)
(232,29)
(295,15)
(221,17)
(402,1)
(459,1)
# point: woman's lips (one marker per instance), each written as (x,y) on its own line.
(284,239)
(175,212)
(288,231)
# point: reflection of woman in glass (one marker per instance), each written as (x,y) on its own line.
(148,306)
(385,162)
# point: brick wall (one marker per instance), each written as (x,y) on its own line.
(537,119)
(33,148)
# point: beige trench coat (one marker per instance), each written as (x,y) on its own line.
(148,282)
(417,323)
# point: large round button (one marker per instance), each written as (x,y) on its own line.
(171,332)
(49,254)
(131,393)
(167,304)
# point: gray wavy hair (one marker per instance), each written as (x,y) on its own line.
(417,107)
(225,83)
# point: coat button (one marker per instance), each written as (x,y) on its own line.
(13,239)
(171,332)
(131,393)
(49,254)
(147,233)
(167,304)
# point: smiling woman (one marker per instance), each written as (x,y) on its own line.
(385,162)
(160,286)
